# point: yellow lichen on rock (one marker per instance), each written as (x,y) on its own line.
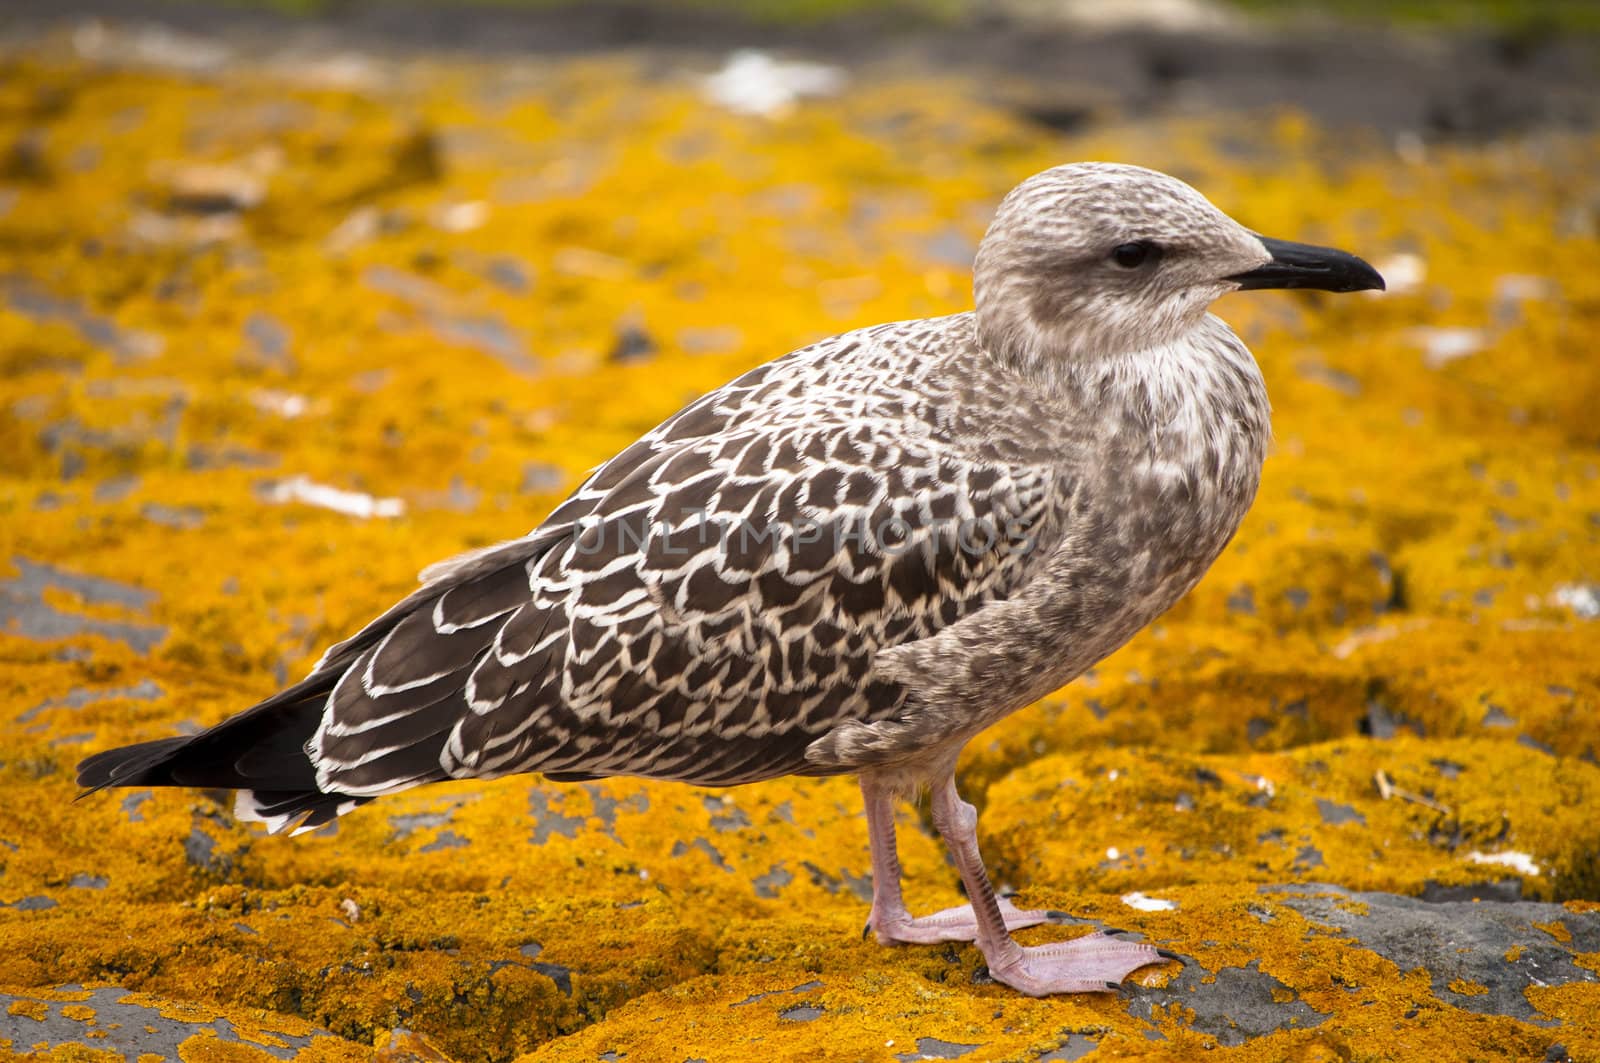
(446,294)
(1124,819)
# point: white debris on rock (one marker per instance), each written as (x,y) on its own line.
(1169,16)
(1411,148)
(359,226)
(1521,863)
(1366,636)
(216,187)
(353,503)
(753,82)
(1582,598)
(156,46)
(284,404)
(346,71)
(1140,903)
(461,217)
(1441,346)
(1403,273)
(1262,784)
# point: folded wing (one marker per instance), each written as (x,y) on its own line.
(706,618)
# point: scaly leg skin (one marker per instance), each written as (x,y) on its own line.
(1097,962)
(893,924)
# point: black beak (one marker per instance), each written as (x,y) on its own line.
(1308,266)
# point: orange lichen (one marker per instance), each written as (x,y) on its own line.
(406,1046)
(1313,814)
(1556,929)
(205,1047)
(1384,684)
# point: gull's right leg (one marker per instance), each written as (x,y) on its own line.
(891,921)
(1095,962)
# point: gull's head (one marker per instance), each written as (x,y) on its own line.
(1094,259)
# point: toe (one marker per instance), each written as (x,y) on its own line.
(1095,963)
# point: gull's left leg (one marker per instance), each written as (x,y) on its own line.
(1093,962)
(893,924)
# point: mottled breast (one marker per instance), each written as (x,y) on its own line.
(1158,457)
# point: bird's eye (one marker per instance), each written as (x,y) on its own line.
(1134,255)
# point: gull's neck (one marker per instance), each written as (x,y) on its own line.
(1206,352)
(1198,401)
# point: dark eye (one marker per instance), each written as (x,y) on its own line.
(1134,255)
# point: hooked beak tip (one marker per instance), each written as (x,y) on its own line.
(1309,266)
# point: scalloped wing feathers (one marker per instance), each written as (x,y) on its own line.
(708,604)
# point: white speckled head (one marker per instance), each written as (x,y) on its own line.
(1098,258)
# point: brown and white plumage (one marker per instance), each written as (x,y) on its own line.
(674,619)
(850,559)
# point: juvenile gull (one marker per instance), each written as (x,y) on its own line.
(849,560)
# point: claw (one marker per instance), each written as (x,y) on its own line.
(866,931)
(1167,954)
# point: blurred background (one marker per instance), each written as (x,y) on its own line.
(299,296)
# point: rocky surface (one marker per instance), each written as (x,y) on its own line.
(1055,63)
(279,328)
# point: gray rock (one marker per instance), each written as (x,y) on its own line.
(1238,1005)
(632,346)
(934,1048)
(547,820)
(269,338)
(24,610)
(680,849)
(36,903)
(771,884)
(130,1029)
(1464,943)
(78,697)
(409,823)
(1461,942)
(27,299)
(447,839)
(510,274)
(1333,813)
(1076,1046)
(561,976)
(801,1013)
(804,987)
(131,803)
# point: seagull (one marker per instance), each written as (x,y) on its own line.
(849,560)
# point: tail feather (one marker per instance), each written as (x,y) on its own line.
(260,752)
(135,765)
(303,810)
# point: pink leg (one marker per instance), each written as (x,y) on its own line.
(1085,964)
(895,925)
